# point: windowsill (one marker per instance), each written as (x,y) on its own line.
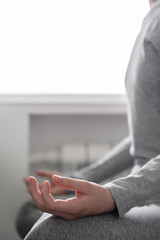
(82,104)
(60,98)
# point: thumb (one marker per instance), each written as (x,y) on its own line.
(71,183)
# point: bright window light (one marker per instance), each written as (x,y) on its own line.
(67,46)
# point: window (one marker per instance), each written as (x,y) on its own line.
(67,46)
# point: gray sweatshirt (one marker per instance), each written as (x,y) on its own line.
(142,147)
(143,90)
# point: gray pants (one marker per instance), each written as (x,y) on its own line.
(139,223)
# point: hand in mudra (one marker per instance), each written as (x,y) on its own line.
(90,198)
(54,190)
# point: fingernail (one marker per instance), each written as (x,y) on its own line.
(56,178)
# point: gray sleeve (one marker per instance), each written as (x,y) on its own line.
(117,160)
(139,188)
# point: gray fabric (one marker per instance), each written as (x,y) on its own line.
(143,89)
(138,224)
(115,161)
(139,188)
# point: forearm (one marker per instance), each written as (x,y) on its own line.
(140,188)
(117,160)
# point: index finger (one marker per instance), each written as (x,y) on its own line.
(71,184)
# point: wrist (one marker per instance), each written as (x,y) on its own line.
(111,205)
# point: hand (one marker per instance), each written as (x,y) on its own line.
(54,190)
(90,198)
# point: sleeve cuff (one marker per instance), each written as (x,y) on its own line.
(121,198)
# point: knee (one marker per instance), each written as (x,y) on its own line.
(53,228)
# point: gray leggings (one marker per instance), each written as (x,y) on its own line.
(139,223)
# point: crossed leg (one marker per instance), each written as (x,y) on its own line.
(139,223)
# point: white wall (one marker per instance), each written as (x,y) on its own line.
(47,131)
